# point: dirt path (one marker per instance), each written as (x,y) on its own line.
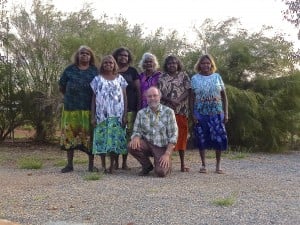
(263,188)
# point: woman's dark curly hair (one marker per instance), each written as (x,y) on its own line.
(171,58)
(118,51)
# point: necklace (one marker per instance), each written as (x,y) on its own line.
(153,119)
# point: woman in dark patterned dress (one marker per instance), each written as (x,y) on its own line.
(124,58)
(74,84)
(175,87)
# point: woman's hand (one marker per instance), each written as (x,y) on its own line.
(93,122)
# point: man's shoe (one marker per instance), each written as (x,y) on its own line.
(146,171)
(67,169)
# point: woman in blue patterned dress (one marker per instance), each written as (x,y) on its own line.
(109,108)
(210,110)
(74,84)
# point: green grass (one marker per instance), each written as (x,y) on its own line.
(228,201)
(154,190)
(80,161)
(93,176)
(30,163)
(60,162)
(210,154)
(27,127)
(63,162)
(237,155)
(40,198)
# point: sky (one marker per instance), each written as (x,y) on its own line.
(182,15)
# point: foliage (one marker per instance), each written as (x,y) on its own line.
(60,162)
(244,124)
(241,56)
(35,47)
(41,111)
(280,112)
(292,14)
(10,100)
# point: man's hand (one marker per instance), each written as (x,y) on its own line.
(164,160)
(135,143)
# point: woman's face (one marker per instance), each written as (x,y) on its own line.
(122,58)
(108,65)
(149,64)
(172,66)
(205,66)
(84,56)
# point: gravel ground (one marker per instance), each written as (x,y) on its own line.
(264,188)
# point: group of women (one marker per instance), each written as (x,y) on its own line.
(100,105)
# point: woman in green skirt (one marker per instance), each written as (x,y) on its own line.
(74,84)
(109,109)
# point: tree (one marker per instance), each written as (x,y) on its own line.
(292,13)
(10,99)
(35,47)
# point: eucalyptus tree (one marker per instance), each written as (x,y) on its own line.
(34,45)
(292,14)
(10,86)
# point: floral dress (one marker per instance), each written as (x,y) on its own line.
(109,135)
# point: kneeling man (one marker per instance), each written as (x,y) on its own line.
(155,135)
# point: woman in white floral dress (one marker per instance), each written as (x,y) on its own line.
(109,106)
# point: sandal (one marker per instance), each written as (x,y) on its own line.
(203,170)
(220,171)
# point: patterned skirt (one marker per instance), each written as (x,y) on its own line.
(210,132)
(109,136)
(76,130)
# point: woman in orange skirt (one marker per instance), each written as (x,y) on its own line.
(175,87)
